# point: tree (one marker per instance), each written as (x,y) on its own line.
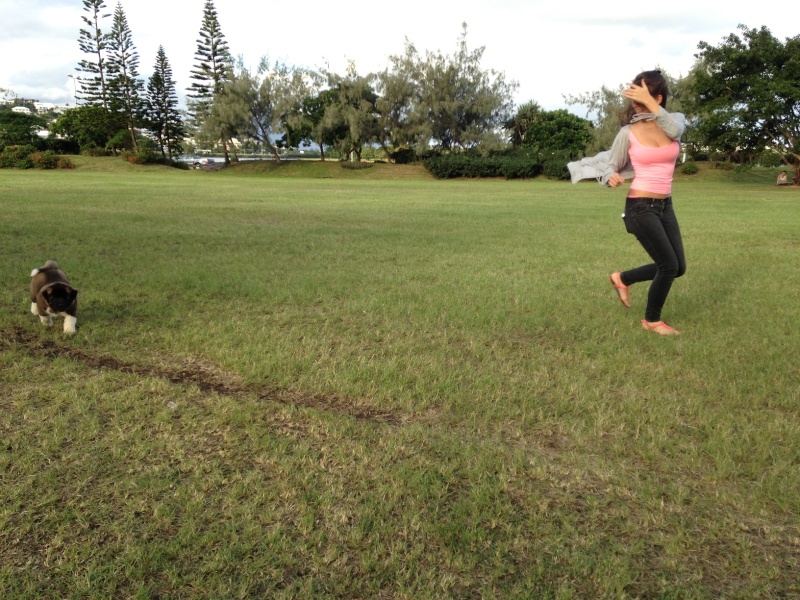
(748,88)
(518,126)
(162,116)
(92,41)
(399,125)
(7,95)
(351,119)
(556,131)
(124,85)
(91,126)
(214,68)
(257,106)
(605,107)
(19,129)
(450,101)
(307,122)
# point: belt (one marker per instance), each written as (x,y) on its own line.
(643,199)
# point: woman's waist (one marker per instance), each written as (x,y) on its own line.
(632,204)
(634,194)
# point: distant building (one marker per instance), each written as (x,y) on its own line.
(21,109)
(47,106)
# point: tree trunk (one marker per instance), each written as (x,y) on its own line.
(274,149)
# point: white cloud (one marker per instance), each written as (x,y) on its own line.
(550,48)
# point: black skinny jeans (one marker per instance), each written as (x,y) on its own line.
(654,224)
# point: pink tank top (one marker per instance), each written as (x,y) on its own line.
(653,167)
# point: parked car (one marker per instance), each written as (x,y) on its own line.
(199,163)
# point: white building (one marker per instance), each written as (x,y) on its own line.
(46,106)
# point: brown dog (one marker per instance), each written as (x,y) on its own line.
(52,295)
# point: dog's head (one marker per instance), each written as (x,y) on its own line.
(59,296)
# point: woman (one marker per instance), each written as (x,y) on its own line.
(647,148)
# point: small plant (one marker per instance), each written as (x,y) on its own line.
(689,168)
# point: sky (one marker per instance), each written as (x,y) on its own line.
(550,49)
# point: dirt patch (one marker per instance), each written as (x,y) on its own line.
(204,376)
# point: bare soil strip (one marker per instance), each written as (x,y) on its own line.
(206,379)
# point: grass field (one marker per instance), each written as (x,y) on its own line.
(307,382)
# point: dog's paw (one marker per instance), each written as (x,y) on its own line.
(70,324)
(34,309)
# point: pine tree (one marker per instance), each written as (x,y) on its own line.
(124,86)
(163,117)
(212,70)
(93,41)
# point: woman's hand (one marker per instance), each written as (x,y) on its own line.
(616,180)
(641,95)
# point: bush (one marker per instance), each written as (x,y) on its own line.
(17,157)
(143,156)
(554,165)
(26,157)
(508,166)
(148,153)
(355,166)
(403,156)
(44,160)
(689,168)
(770,159)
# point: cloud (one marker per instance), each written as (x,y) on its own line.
(550,48)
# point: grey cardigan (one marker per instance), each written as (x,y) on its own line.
(603,165)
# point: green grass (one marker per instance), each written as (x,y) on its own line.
(306,382)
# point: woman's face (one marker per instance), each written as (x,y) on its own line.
(639,107)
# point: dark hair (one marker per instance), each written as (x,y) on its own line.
(656,85)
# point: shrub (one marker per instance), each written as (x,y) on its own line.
(147,153)
(45,160)
(355,166)
(508,166)
(403,156)
(17,157)
(142,156)
(26,157)
(689,168)
(770,159)
(65,163)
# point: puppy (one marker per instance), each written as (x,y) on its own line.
(52,295)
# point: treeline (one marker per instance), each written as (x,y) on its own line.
(742,100)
